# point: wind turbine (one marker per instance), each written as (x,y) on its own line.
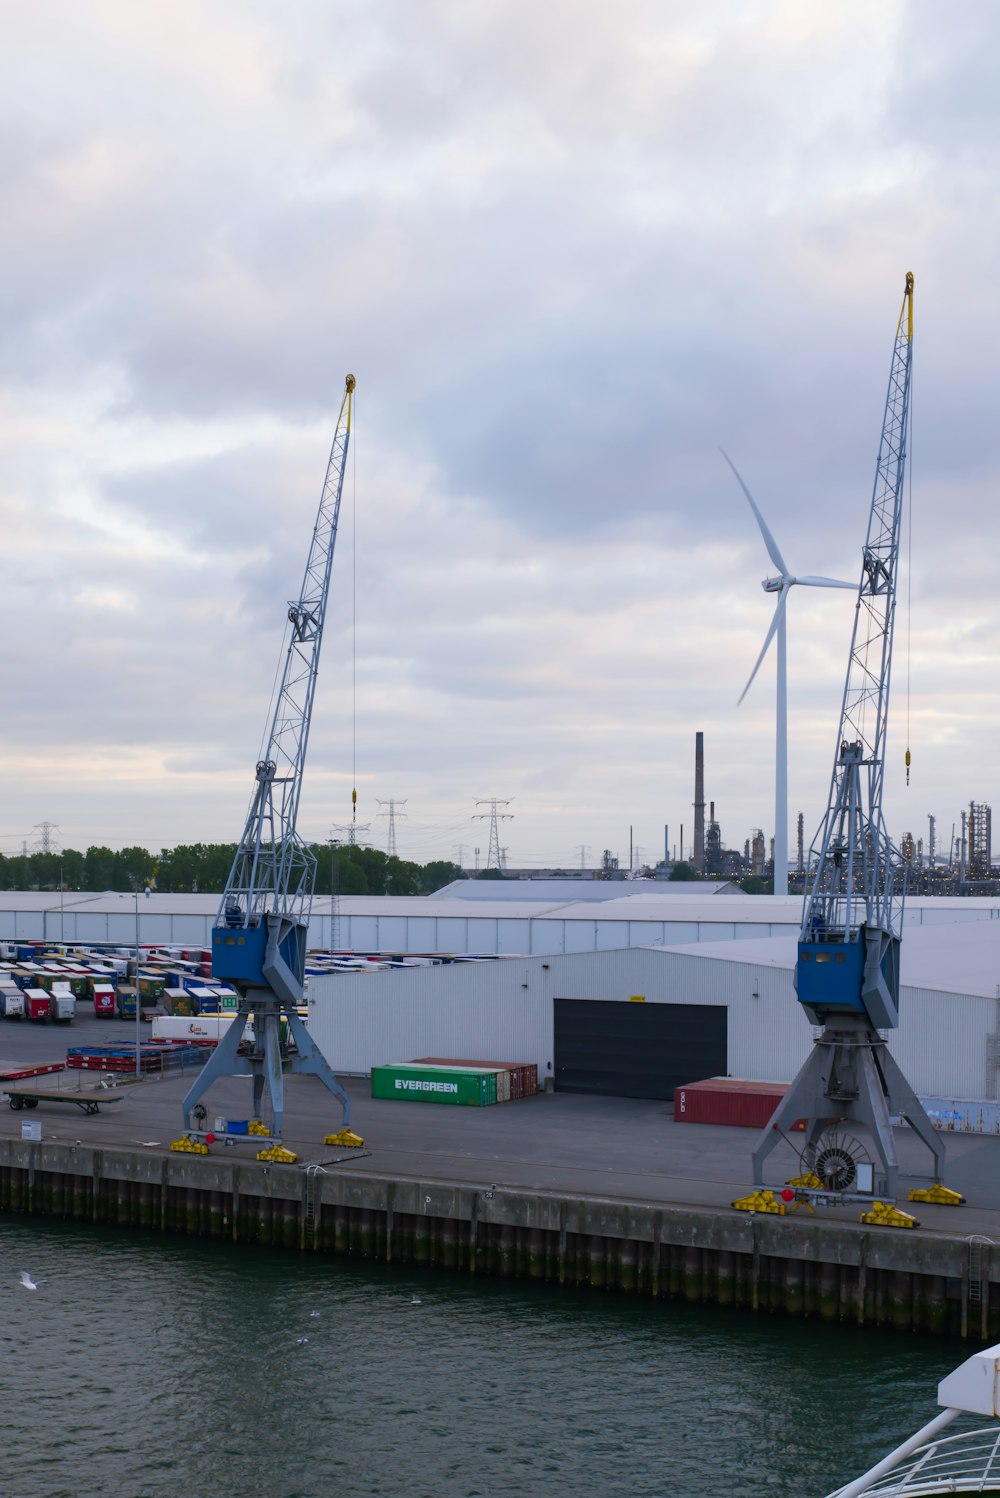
(780,585)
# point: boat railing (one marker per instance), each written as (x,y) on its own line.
(968,1462)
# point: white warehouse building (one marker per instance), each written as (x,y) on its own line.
(641,1021)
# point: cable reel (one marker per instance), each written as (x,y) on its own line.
(835,1160)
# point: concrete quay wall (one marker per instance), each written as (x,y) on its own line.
(907,1280)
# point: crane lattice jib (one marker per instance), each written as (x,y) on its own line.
(274,869)
(853,858)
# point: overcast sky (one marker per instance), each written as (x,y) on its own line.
(568,250)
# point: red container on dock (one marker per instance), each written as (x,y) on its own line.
(728,1100)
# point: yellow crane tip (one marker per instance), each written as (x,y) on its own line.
(351,380)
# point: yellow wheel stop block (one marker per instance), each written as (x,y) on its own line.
(278,1155)
(760,1201)
(185,1145)
(884,1215)
(941,1196)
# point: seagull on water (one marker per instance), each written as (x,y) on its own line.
(27,1281)
(415,1300)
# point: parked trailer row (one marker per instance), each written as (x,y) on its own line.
(108,981)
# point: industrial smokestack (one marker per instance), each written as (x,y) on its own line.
(698,858)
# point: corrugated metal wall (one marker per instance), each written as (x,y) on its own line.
(360,1020)
(535,936)
(106,926)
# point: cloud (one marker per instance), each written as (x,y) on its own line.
(568,252)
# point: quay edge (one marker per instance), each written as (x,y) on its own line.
(806,1267)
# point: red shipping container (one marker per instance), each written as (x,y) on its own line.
(523,1074)
(729,1100)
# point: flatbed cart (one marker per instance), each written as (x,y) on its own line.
(17,1072)
(87,1102)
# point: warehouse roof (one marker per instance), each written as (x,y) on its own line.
(571,890)
(649,901)
(940,956)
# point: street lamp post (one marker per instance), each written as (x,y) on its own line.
(138,1040)
(138,1043)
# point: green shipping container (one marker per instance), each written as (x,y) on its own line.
(435,1084)
(490,1074)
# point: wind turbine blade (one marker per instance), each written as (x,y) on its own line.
(826,582)
(769,541)
(776,619)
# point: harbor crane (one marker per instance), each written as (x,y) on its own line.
(847,972)
(260,932)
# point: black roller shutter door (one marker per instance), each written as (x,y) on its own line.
(637,1050)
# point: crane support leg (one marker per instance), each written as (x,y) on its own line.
(266,1060)
(904,1101)
(850,1078)
(224,1061)
(310,1059)
(800,1101)
(264,1064)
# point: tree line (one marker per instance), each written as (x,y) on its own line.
(194,868)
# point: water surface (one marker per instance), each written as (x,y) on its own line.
(149,1367)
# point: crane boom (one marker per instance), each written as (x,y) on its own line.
(259,938)
(853,900)
(274,869)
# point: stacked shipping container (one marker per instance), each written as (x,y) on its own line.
(441,1079)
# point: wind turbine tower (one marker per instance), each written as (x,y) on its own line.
(781,585)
